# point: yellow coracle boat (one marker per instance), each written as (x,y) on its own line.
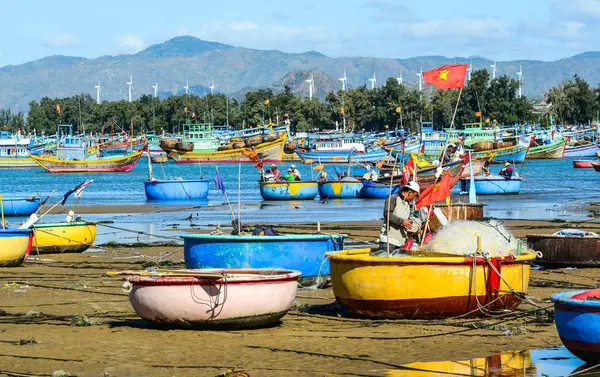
(15,245)
(426,287)
(53,238)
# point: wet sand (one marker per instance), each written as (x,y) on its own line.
(83,324)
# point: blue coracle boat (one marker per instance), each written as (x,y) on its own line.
(493,185)
(21,206)
(340,189)
(306,190)
(577,318)
(303,252)
(176,189)
(373,190)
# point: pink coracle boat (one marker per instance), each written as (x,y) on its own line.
(581,164)
(215,298)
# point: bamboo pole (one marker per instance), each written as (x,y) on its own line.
(2,208)
(239,197)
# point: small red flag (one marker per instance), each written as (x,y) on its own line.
(58,108)
(408,170)
(259,165)
(448,76)
(436,192)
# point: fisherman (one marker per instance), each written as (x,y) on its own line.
(322,177)
(486,168)
(289,177)
(449,154)
(370,175)
(275,172)
(297,175)
(507,171)
(403,222)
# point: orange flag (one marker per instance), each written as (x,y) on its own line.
(58,108)
(436,192)
(448,76)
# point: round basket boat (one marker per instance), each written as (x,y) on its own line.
(241,298)
(566,250)
(426,287)
(185,146)
(168,142)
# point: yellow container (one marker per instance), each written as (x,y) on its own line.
(73,237)
(425,287)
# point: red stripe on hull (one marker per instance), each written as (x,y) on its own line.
(589,352)
(221,161)
(125,168)
(440,307)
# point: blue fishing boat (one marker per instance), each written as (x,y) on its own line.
(177,189)
(302,252)
(578,323)
(374,190)
(301,190)
(493,185)
(340,189)
(342,153)
(21,206)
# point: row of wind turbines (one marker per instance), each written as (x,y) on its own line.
(311,83)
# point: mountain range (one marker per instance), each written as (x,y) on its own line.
(234,70)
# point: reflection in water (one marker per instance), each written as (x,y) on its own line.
(548,362)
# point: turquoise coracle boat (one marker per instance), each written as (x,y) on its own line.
(302,252)
(340,189)
(289,190)
(493,185)
(21,206)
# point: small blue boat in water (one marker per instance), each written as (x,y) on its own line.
(176,189)
(372,190)
(302,252)
(577,318)
(340,189)
(21,206)
(299,190)
(493,185)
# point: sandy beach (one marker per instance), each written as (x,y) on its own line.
(63,313)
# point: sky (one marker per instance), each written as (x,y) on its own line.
(495,29)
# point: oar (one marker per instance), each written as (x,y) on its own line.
(198,274)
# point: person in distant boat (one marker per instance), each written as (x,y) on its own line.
(486,168)
(275,172)
(404,223)
(370,175)
(322,177)
(449,154)
(297,175)
(289,177)
(507,171)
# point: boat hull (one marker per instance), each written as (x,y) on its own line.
(343,157)
(377,191)
(17,162)
(424,287)
(305,253)
(53,238)
(267,152)
(554,150)
(340,189)
(20,206)
(227,303)
(578,325)
(582,151)
(288,190)
(176,190)
(109,164)
(566,251)
(493,186)
(15,245)
(583,164)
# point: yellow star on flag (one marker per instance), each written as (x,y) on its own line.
(444,74)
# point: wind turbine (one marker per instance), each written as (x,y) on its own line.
(212,88)
(420,76)
(98,93)
(399,79)
(155,87)
(469,69)
(373,81)
(344,81)
(520,74)
(311,86)
(130,84)
(493,70)
(186,87)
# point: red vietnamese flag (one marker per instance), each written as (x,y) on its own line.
(448,76)
(436,192)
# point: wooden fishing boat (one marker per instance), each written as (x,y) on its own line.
(583,164)
(90,165)
(372,190)
(587,150)
(426,287)
(512,154)
(596,166)
(340,189)
(21,206)
(302,252)
(298,190)
(74,237)
(566,250)
(16,162)
(457,211)
(240,298)
(426,177)
(553,150)
(493,185)
(15,245)
(578,323)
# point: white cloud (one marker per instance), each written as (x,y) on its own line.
(243,26)
(181,30)
(62,40)
(488,28)
(387,11)
(570,30)
(133,42)
(580,9)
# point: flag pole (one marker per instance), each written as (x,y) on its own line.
(239,197)
(389,201)
(227,198)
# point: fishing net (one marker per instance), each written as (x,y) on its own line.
(460,238)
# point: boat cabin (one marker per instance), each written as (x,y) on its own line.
(201,135)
